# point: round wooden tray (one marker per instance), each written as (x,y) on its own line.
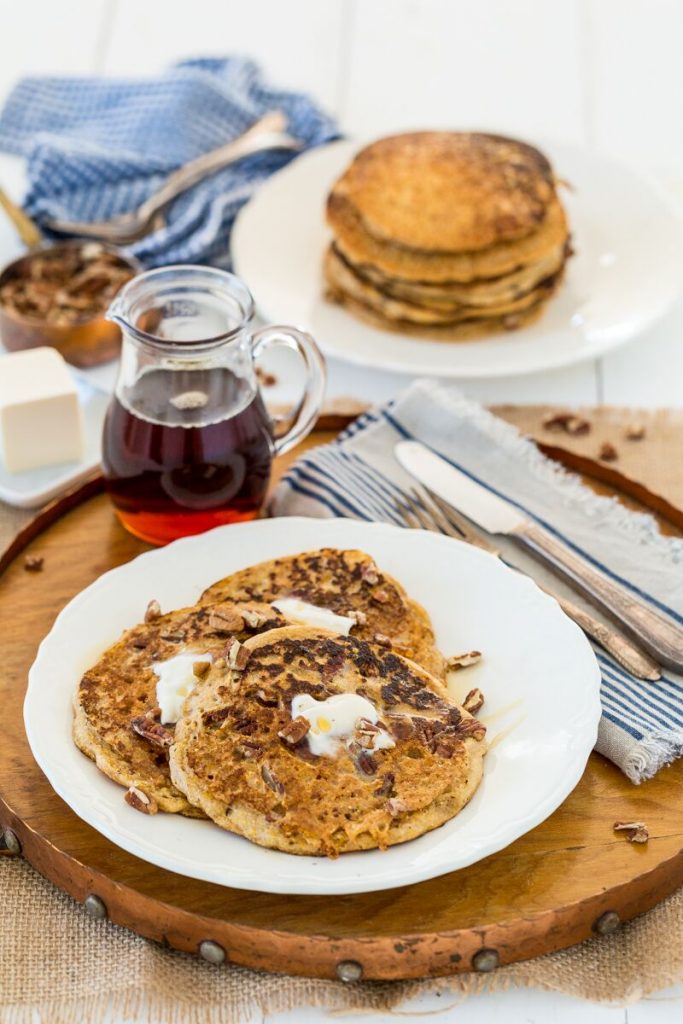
(567,879)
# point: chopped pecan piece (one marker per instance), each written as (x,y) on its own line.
(369,574)
(445,745)
(153,611)
(634,432)
(225,619)
(607,452)
(150,728)
(200,668)
(567,421)
(387,785)
(237,655)
(400,726)
(253,618)
(140,801)
(34,563)
(251,750)
(216,716)
(381,596)
(366,732)
(359,617)
(636,831)
(474,701)
(271,781)
(382,639)
(396,806)
(295,730)
(471,727)
(175,637)
(457,661)
(366,763)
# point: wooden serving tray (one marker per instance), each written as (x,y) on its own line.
(568,879)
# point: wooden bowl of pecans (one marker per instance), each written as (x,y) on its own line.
(58,295)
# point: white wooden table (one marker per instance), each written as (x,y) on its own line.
(606,74)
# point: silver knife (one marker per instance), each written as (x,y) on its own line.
(659,635)
(612,638)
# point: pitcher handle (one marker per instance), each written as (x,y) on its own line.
(304,414)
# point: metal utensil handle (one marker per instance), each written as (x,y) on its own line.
(303,415)
(661,637)
(624,650)
(264,134)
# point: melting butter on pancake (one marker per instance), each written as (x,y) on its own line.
(347,583)
(325,744)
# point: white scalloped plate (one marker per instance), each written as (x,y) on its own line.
(538,673)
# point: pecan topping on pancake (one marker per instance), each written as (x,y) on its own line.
(295,730)
(474,701)
(153,611)
(150,728)
(140,801)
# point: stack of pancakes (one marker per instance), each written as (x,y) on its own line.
(234,755)
(446,235)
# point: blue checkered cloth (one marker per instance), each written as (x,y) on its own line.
(98,147)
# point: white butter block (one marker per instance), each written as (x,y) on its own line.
(41,423)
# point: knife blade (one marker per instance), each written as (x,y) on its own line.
(658,634)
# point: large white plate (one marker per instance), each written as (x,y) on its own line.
(627,271)
(538,673)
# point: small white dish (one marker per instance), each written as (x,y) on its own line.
(625,275)
(35,487)
(538,673)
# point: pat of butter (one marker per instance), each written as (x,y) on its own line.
(176,682)
(41,422)
(335,719)
(311,615)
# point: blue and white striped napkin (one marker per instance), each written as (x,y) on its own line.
(357,475)
(98,147)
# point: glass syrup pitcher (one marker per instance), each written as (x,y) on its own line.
(188,443)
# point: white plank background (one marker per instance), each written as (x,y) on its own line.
(606,74)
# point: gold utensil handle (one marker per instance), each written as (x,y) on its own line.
(28,231)
(658,635)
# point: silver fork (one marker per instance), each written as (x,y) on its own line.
(267,133)
(425,510)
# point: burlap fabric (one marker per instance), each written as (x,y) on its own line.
(59,966)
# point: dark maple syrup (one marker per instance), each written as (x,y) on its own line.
(186,450)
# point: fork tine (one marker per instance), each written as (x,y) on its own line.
(406,510)
(444,524)
(424,521)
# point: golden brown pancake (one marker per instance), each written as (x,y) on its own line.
(466,330)
(342,279)
(345,582)
(243,759)
(447,192)
(120,690)
(393,261)
(485,292)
